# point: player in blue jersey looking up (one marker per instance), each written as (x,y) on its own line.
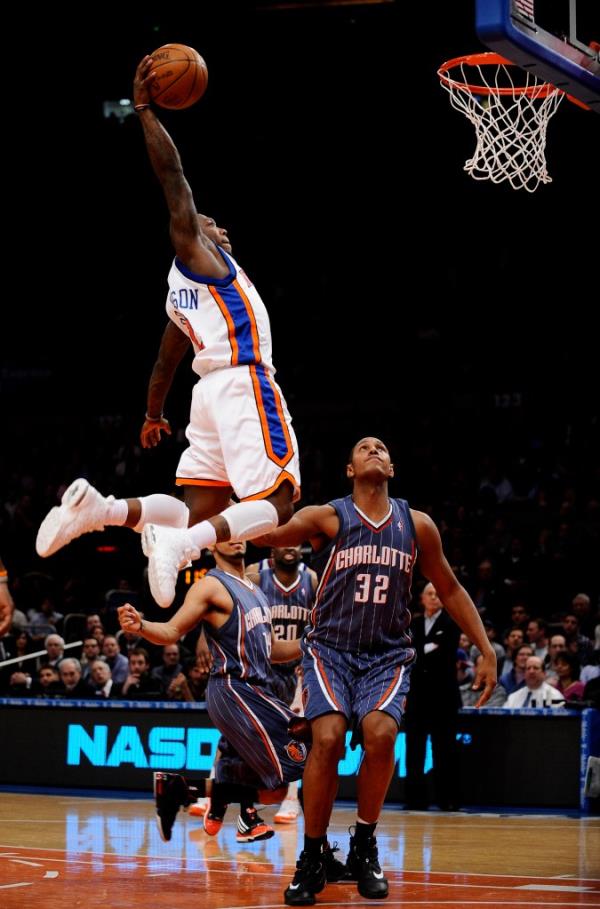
(237,620)
(357,651)
(290,590)
(213,305)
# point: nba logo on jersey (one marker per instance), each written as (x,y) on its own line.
(400,526)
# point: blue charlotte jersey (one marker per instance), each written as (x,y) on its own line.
(365,572)
(242,646)
(290,606)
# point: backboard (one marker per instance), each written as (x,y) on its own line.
(557,40)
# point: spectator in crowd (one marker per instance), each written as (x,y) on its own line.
(581,607)
(48,684)
(45,620)
(519,617)
(513,640)
(73,686)
(576,642)
(196,681)
(91,653)
(119,666)
(537,636)
(139,684)
(432,705)
(55,649)
(101,681)
(536,692)
(515,677)
(171,667)
(558,644)
(567,669)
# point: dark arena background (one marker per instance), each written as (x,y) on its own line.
(453,319)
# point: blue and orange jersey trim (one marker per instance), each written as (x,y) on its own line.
(276,435)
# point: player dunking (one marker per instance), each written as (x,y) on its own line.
(240,434)
(290,594)
(357,651)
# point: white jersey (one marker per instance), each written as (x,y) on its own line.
(224,318)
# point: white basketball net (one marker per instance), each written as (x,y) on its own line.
(510,120)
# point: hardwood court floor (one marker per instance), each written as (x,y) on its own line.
(64,851)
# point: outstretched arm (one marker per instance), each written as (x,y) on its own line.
(173,346)
(460,606)
(316,523)
(202,599)
(190,244)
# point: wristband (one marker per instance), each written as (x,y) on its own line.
(150,419)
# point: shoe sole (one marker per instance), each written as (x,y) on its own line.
(285,818)
(242,838)
(57,517)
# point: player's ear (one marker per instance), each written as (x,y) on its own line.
(391,469)
(349,471)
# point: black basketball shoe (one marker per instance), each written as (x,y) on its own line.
(170,794)
(309,879)
(362,866)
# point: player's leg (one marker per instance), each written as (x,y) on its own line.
(83,509)
(379,717)
(263,471)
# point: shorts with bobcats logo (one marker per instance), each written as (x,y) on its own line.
(255,723)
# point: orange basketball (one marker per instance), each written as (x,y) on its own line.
(181,76)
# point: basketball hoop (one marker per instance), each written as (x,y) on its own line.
(510,119)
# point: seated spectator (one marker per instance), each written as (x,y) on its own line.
(515,677)
(558,644)
(170,669)
(89,655)
(139,684)
(73,686)
(581,607)
(101,681)
(567,668)
(119,667)
(537,636)
(196,681)
(45,620)
(55,649)
(591,670)
(513,640)
(48,684)
(576,642)
(537,692)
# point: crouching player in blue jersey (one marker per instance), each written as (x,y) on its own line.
(357,651)
(237,620)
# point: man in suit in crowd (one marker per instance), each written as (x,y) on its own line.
(432,706)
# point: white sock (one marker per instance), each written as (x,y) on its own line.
(246,520)
(292,792)
(166,511)
(116,513)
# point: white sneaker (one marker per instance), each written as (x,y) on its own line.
(288,812)
(168,550)
(199,807)
(83,509)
